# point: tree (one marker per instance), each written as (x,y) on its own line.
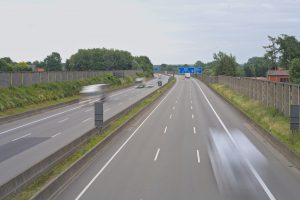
(272,51)
(289,48)
(53,62)
(199,63)
(256,66)
(225,64)
(4,66)
(294,71)
(145,64)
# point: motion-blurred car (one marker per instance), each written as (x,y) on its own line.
(140,82)
(92,91)
(231,170)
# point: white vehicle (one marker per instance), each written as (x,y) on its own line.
(140,83)
(90,91)
(187,75)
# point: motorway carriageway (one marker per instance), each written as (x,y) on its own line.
(164,155)
(27,141)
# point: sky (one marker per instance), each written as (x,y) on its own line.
(167,31)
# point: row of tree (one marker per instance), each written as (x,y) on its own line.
(282,52)
(84,59)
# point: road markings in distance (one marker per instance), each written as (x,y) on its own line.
(21,137)
(170,116)
(165,129)
(191,101)
(259,179)
(56,134)
(176,101)
(121,147)
(198,156)
(120,103)
(194,130)
(86,120)
(173,108)
(156,155)
(192,116)
(88,110)
(61,121)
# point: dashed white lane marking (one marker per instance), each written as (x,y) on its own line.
(191,101)
(194,130)
(198,156)
(192,116)
(176,101)
(21,137)
(156,155)
(191,107)
(173,108)
(57,134)
(121,147)
(171,116)
(259,179)
(88,110)
(120,103)
(166,129)
(107,110)
(61,121)
(86,120)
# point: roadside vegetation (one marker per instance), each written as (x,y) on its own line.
(32,189)
(19,99)
(268,118)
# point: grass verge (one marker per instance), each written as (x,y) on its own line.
(269,118)
(29,191)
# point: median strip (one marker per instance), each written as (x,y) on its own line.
(58,170)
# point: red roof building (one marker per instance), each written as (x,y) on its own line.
(279,75)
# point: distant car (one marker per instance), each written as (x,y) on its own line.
(91,91)
(187,75)
(140,83)
(159,83)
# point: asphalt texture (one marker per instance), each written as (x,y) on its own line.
(164,154)
(27,141)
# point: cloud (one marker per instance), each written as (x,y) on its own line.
(169,31)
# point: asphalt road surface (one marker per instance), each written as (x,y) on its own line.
(27,141)
(165,155)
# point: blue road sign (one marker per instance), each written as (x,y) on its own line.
(181,70)
(156,69)
(191,70)
(198,70)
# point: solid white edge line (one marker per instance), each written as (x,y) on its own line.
(156,155)
(122,146)
(198,156)
(21,137)
(165,129)
(56,134)
(259,179)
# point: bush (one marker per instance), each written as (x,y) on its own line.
(14,97)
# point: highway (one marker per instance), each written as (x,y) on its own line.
(165,155)
(27,141)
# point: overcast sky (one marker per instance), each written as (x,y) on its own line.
(167,31)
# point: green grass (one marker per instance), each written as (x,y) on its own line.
(17,100)
(268,118)
(32,189)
